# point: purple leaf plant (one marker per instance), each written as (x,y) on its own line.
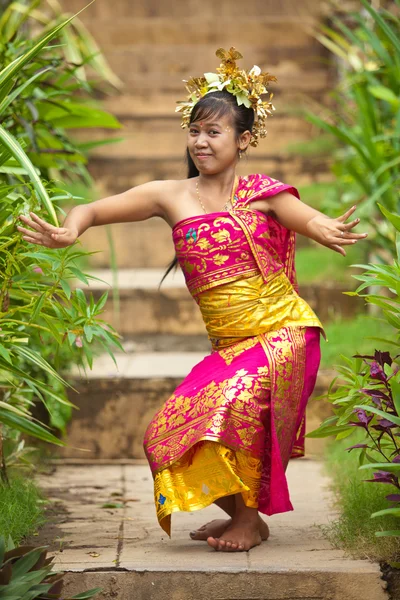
(379,426)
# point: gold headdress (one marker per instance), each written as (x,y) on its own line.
(246,87)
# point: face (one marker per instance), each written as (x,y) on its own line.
(212,144)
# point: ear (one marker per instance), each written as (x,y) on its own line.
(244,140)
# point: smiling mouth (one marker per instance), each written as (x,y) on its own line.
(202,155)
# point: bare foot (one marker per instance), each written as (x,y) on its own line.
(214,528)
(217,527)
(238,537)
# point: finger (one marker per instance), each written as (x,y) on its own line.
(342,241)
(33,235)
(32,240)
(351,236)
(347,214)
(348,226)
(337,248)
(31,223)
(24,230)
(44,224)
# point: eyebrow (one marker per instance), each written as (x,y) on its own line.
(209,124)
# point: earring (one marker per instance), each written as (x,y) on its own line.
(240,153)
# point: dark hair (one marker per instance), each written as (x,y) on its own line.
(216,104)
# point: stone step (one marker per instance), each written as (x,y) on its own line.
(218,13)
(284,32)
(129,395)
(113,176)
(161,104)
(125,552)
(171,309)
(154,137)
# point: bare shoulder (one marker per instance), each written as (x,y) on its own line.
(172,198)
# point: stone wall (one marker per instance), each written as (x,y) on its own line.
(152,45)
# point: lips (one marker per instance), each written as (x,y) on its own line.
(202,155)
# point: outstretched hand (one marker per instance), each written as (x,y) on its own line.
(335,233)
(45,234)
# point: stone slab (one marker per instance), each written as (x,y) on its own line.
(140,562)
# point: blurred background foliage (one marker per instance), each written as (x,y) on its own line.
(363,124)
(50,67)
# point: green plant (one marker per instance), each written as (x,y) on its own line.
(365,121)
(37,304)
(22,506)
(369,390)
(25,574)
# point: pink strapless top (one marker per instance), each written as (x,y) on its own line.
(219,247)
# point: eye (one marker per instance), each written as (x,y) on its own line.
(214,131)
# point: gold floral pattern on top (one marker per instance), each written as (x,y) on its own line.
(206,472)
(212,244)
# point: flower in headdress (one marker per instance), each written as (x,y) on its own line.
(228,58)
(246,87)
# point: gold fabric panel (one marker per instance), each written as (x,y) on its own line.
(206,472)
(249,307)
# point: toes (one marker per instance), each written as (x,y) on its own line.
(221,544)
(199,536)
(213,542)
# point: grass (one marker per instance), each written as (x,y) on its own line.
(317,264)
(21,507)
(355,340)
(353,530)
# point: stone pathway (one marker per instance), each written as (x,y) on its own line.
(124,551)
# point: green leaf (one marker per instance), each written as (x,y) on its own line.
(24,564)
(5,103)
(11,71)
(380,413)
(66,287)
(26,426)
(394,219)
(326,431)
(79,275)
(37,307)
(384,93)
(5,354)
(387,466)
(88,332)
(395,512)
(10,142)
(384,26)
(392,533)
(101,302)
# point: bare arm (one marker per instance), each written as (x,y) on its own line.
(301,218)
(136,204)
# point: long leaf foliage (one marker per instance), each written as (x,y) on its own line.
(45,322)
(365,121)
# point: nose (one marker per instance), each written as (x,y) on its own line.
(201,141)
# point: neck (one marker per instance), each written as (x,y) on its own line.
(219,184)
